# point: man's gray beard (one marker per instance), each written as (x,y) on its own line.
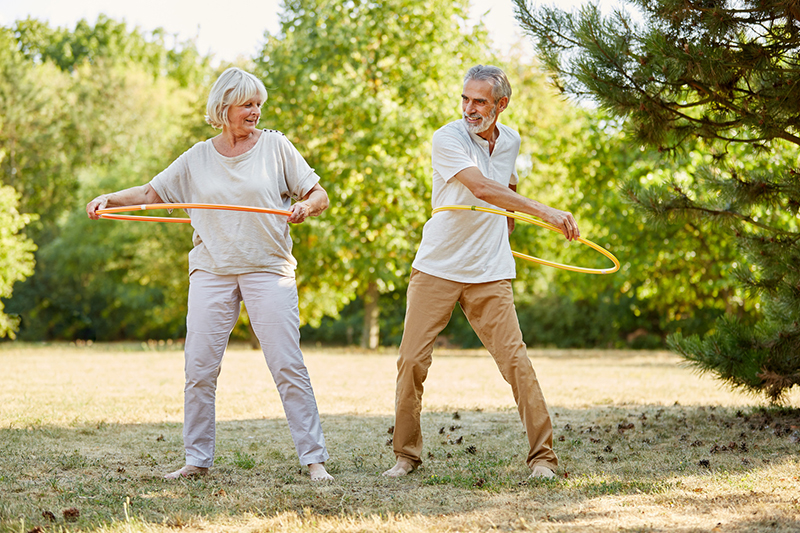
(484,124)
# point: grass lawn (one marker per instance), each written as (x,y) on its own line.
(86,432)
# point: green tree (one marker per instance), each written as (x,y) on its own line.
(62,108)
(576,157)
(360,87)
(116,117)
(38,152)
(109,40)
(16,253)
(725,72)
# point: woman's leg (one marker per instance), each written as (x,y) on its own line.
(271,302)
(213,310)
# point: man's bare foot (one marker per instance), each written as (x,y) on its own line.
(318,473)
(541,472)
(401,468)
(187,471)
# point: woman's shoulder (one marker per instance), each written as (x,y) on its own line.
(275,140)
(273,135)
(201,147)
(273,132)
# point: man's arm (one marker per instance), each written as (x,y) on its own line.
(511,221)
(506,198)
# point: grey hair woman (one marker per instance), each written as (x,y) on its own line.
(240,257)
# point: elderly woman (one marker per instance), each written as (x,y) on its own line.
(240,256)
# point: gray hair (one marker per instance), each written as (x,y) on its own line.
(495,76)
(233,87)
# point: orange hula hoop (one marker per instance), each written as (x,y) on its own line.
(110,212)
(530,219)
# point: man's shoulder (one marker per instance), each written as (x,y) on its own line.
(452,131)
(511,132)
(456,126)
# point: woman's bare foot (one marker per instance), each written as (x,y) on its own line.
(318,473)
(187,471)
(401,468)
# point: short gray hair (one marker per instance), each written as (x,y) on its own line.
(495,76)
(233,87)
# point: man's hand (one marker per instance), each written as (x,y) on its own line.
(506,198)
(563,220)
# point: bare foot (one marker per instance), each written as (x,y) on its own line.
(401,468)
(187,471)
(541,472)
(318,473)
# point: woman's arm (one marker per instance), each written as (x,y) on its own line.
(313,204)
(143,194)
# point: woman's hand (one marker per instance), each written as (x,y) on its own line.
(300,211)
(313,204)
(101,202)
(142,194)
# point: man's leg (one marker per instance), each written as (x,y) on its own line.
(489,307)
(430,302)
(213,310)
(271,302)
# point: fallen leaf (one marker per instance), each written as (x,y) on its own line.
(71,515)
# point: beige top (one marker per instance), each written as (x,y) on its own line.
(468,246)
(269,175)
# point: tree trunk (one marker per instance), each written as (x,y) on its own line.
(371,331)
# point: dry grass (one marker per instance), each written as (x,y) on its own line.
(645,445)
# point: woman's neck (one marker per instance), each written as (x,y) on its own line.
(230,144)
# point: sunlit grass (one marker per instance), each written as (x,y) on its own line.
(644,445)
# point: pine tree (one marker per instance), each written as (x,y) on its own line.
(726,72)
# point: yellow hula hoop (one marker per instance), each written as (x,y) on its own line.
(109,213)
(528,218)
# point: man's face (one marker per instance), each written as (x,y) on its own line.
(478,106)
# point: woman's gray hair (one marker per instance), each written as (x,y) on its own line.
(233,87)
(495,76)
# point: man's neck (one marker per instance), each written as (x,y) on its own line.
(490,135)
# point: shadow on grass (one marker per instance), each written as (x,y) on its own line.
(679,462)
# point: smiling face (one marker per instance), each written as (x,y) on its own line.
(243,118)
(479,107)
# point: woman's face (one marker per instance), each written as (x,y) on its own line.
(243,118)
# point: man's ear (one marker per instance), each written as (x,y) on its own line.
(502,104)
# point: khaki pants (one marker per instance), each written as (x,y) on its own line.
(489,307)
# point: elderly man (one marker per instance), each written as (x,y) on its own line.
(465,257)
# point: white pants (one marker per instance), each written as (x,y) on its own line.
(271,301)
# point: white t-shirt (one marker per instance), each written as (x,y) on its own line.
(233,242)
(468,246)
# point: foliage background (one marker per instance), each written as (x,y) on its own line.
(114,105)
(718,79)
